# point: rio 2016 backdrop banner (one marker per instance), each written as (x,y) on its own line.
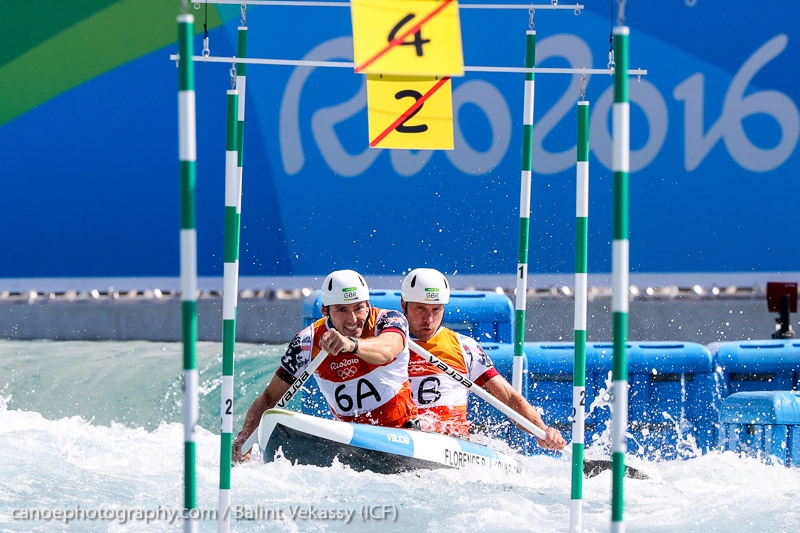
(89,137)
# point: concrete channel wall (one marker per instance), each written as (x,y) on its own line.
(274,316)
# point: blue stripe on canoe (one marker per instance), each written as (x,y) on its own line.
(477,449)
(390,440)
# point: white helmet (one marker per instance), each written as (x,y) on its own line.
(344,287)
(426,286)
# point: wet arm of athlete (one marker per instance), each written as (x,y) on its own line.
(276,388)
(503,391)
(374,350)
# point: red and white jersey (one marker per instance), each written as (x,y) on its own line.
(357,391)
(441,400)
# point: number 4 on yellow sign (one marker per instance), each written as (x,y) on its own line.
(407,37)
(413,113)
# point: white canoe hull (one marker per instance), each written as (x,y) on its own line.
(306,439)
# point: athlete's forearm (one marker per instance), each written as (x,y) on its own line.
(374,350)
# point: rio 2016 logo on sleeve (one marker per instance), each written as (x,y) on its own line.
(350,293)
(432,295)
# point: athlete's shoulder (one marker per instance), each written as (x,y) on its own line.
(390,318)
(474,350)
(467,341)
(294,358)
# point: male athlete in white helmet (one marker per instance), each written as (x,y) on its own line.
(441,400)
(365,379)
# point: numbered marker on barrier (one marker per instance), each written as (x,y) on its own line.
(407,37)
(413,113)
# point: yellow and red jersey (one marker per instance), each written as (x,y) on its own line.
(357,391)
(441,400)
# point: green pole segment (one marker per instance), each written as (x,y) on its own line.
(620,272)
(241,85)
(524,213)
(188,257)
(581,284)
(229,302)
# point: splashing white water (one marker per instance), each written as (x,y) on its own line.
(71,463)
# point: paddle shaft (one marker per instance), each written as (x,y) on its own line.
(590,467)
(289,394)
(300,381)
(483,394)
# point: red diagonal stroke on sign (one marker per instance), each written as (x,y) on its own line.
(402,37)
(417,104)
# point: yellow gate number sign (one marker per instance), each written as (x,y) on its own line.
(407,37)
(414,113)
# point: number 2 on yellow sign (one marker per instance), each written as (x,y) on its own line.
(413,113)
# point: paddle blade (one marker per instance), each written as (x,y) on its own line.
(592,468)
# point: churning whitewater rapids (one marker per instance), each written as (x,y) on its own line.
(91,439)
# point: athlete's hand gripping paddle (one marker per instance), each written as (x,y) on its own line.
(590,468)
(289,394)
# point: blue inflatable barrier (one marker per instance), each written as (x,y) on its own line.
(757,365)
(672,392)
(763,424)
(671,388)
(549,379)
(482,315)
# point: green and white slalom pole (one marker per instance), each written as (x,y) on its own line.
(229,302)
(581,284)
(188,238)
(620,272)
(233,214)
(524,213)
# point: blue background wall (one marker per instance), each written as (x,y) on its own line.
(89,176)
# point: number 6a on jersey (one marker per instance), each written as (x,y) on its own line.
(413,113)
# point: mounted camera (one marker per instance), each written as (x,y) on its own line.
(782,298)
